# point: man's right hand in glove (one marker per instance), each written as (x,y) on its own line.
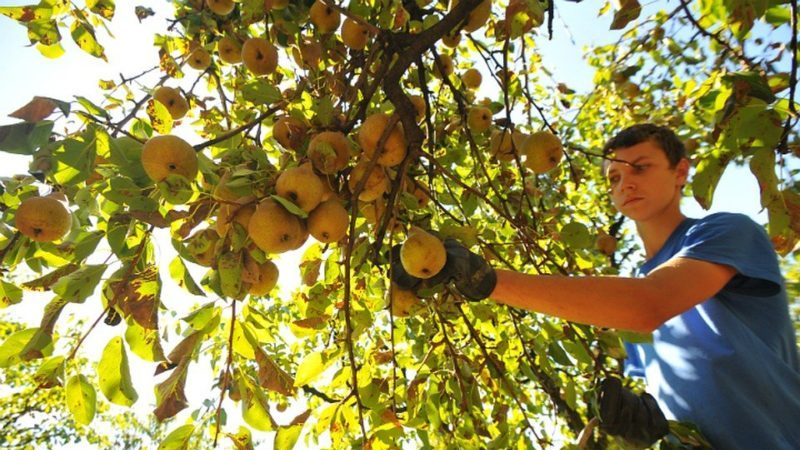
(635,418)
(471,275)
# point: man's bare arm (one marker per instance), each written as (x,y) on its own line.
(637,304)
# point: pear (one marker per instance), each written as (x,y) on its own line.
(274,229)
(472,78)
(167,155)
(403,302)
(478,17)
(328,222)
(394,149)
(543,151)
(259,56)
(606,243)
(289,132)
(324,18)
(422,254)
(239,212)
(329,151)
(375,186)
(354,34)
(229,50)
(300,185)
(172,99)
(43,219)
(267,278)
(419,106)
(199,59)
(479,119)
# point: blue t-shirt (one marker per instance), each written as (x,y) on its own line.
(730,364)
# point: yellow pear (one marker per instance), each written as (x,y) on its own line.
(172,99)
(503,142)
(300,185)
(229,50)
(274,229)
(394,149)
(521,17)
(168,155)
(267,278)
(377,183)
(354,34)
(422,254)
(259,56)
(324,18)
(606,243)
(472,78)
(479,119)
(221,7)
(43,219)
(403,302)
(290,132)
(452,39)
(221,190)
(302,236)
(329,221)
(308,54)
(543,151)
(419,106)
(240,211)
(329,151)
(478,17)
(199,59)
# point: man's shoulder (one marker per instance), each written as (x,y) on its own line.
(724,222)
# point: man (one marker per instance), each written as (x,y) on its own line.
(724,353)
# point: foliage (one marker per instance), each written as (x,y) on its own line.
(454,374)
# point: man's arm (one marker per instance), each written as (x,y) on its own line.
(637,304)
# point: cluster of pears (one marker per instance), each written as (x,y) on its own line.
(543,150)
(43,219)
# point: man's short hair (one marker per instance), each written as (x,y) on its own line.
(664,137)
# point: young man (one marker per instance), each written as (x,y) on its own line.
(724,354)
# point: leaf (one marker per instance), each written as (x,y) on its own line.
(144,342)
(627,11)
(51,312)
(39,108)
(83,35)
(51,372)
(260,92)
(138,296)
(255,409)
(81,399)
(24,345)
(44,32)
(160,118)
(10,294)
(45,282)
(115,375)
(229,266)
(79,285)
(576,235)
(103,8)
(707,176)
(74,161)
(271,376)
(313,365)
(177,439)
(170,396)
(291,207)
(286,437)
(27,13)
(24,138)
(143,12)
(186,348)
(203,318)
(762,164)
(181,275)
(242,440)
(750,84)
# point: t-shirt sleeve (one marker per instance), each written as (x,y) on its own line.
(736,241)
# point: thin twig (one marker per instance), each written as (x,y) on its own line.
(225,374)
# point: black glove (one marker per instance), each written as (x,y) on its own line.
(472,276)
(637,419)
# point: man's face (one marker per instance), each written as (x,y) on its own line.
(641,182)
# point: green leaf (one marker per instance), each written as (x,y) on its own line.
(181,275)
(25,138)
(145,343)
(83,35)
(91,108)
(103,8)
(50,51)
(242,440)
(229,266)
(160,118)
(10,294)
(286,437)
(313,365)
(138,296)
(763,167)
(79,285)
(707,176)
(28,13)
(177,439)
(290,206)
(81,399)
(43,32)
(51,372)
(176,189)
(24,345)
(261,92)
(323,110)
(255,408)
(115,375)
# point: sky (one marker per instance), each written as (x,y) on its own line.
(27,73)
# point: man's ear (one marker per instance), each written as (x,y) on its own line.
(682,171)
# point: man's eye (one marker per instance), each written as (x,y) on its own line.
(613,179)
(639,168)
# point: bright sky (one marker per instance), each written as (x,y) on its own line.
(27,73)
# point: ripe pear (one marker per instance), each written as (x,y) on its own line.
(395,146)
(259,56)
(329,221)
(221,7)
(479,119)
(354,34)
(290,132)
(472,78)
(419,106)
(239,212)
(324,18)
(521,17)
(376,185)
(478,17)
(422,254)
(267,278)
(199,59)
(300,185)
(403,302)
(503,142)
(308,54)
(606,243)
(274,229)
(43,219)
(329,151)
(302,236)
(543,151)
(172,99)
(168,155)
(229,50)
(452,39)
(446,62)
(221,191)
